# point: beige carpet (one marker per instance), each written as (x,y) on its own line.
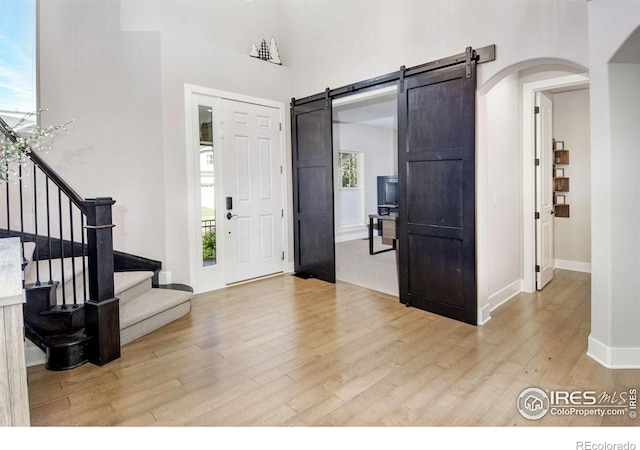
(355,265)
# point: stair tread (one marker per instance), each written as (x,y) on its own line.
(150,303)
(124,280)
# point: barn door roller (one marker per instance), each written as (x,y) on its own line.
(469,55)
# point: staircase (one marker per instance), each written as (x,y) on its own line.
(143,309)
(83,299)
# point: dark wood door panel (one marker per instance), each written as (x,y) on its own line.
(437,127)
(312,183)
(436,223)
(314,248)
(435,190)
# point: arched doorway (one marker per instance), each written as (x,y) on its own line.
(506,180)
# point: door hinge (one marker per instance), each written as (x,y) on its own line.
(537,268)
(537,215)
(536,110)
(280,126)
(283,255)
(282,213)
(537,161)
(280,170)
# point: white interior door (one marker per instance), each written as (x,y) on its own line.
(252,179)
(544,190)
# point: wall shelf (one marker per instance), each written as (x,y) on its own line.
(560,183)
(561,156)
(562,210)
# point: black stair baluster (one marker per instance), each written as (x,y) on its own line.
(6,177)
(64,294)
(36,253)
(84,257)
(49,230)
(73,254)
(21,211)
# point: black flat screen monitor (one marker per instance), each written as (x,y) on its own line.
(388,190)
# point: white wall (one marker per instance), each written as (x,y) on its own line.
(499,188)
(109,82)
(625,207)
(615,337)
(186,61)
(572,243)
(358,40)
(126,90)
(204,44)
(380,151)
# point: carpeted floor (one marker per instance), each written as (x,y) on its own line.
(355,265)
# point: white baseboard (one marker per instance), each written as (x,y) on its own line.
(352,234)
(576,266)
(499,298)
(614,357)
(164,277)
(484,314)
(505,294)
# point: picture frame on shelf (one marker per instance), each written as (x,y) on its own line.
(559,145)
(559,173)
(560,200)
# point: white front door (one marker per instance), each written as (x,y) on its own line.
(252,180)
(544,191)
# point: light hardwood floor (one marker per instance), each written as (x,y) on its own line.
(291,352)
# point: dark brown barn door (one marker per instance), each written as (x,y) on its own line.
(436,180)
(312,149)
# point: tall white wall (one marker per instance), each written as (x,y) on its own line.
(358,40)
(205,44)
(126,91)
(499,228)
(572,243)
(504,186)
(187,61)
(615,336)
(110,83)
(625,207)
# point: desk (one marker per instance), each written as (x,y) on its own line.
(389,233)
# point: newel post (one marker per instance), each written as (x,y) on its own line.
(102,310)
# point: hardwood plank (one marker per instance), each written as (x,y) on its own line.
(291,352)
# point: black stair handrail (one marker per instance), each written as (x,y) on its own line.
(46,168)
(102,323)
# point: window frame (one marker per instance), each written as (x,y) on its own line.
(357,161)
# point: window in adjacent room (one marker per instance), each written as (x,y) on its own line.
(349,169)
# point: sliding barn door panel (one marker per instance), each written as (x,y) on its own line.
(314,245)
(437,183)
